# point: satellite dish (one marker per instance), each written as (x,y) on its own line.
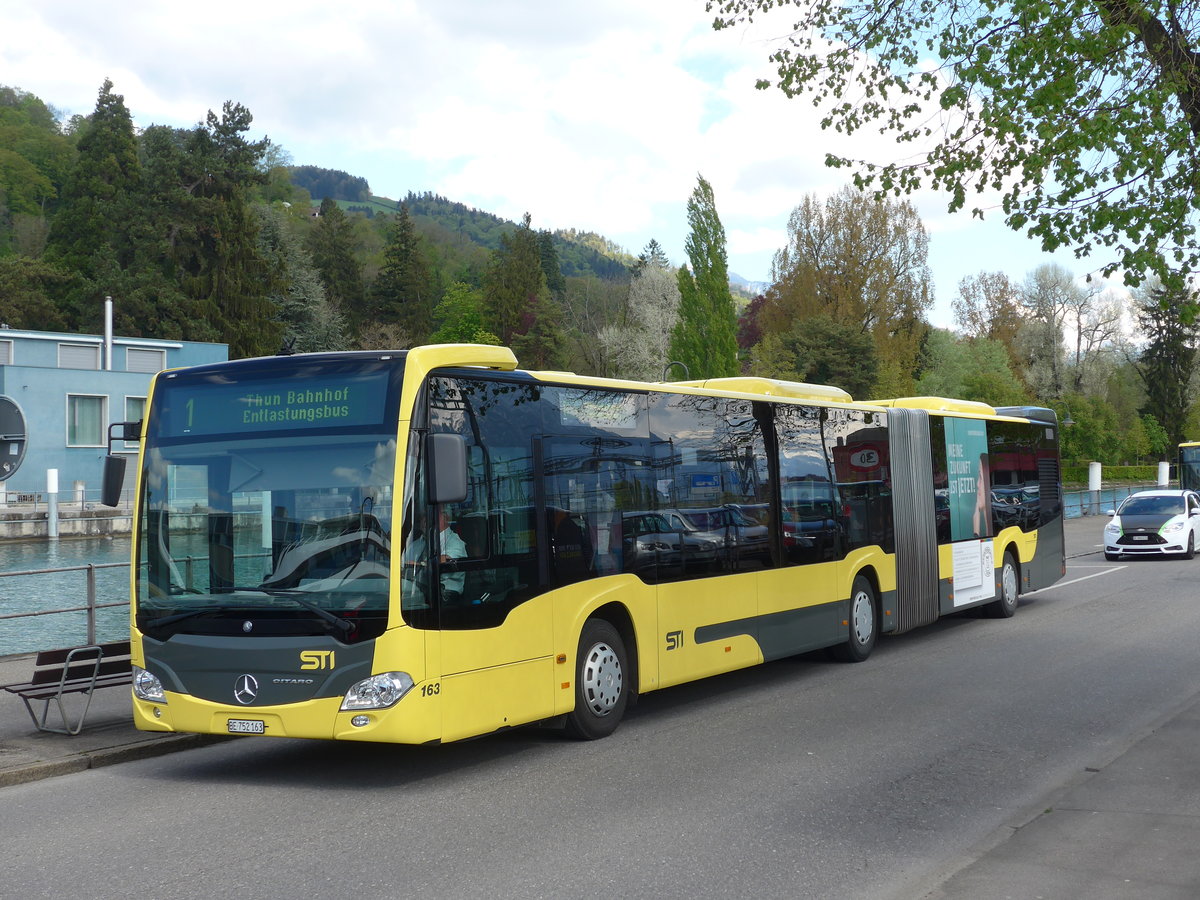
(13,438)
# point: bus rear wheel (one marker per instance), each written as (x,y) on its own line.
(1006,604)
(601,682)
(862,625)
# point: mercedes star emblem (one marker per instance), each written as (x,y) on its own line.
(245,689)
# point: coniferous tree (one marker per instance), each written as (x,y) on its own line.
(514,283)
(403,292)
(331,245)
(555,282)
(220,263)
(540,346)
(1168,362)
(652,255)
(705,335)
(90,235)
(310,322)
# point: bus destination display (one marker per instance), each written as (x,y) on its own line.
(276,405)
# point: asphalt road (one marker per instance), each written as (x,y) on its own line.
(802,778)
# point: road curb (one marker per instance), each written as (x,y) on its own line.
(97,759)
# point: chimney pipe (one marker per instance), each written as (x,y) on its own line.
(108,334)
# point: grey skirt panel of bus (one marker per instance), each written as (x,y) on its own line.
(914,515)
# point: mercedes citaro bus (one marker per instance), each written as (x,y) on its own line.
(427,545)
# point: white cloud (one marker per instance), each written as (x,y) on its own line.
(595,116)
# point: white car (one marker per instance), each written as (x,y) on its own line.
(1154,523)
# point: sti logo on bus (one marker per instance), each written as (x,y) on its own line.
(316,659)
(674,640)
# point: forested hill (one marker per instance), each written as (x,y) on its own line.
(440,220)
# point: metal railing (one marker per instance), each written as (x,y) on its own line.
(91,604)
(1083,502)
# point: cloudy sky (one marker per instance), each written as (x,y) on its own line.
(595,116)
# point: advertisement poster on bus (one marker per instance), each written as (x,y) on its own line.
(969,488)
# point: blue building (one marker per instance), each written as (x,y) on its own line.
(58,394)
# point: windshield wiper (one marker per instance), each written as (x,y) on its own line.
(289,594)
(179,617)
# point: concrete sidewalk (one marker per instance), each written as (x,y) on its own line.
(108,735)
(1127,828)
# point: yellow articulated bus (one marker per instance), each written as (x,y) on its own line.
(429,545)
(1189,465)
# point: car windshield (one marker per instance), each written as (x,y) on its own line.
(1152,506)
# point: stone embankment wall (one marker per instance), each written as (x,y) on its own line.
(72,522)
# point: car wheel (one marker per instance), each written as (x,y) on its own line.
(601,682)
(1010,589)
(862,623)
(1190,552)
(1111,557)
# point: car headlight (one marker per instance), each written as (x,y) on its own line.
(146,686)
(1112,528)
(378,691)
(1174,527)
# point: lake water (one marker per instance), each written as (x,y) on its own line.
(30,593)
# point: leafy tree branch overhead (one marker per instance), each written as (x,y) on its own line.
(1084,115)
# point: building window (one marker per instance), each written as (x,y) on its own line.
(86,416)
(6,348)
(79,356)
(148,361)
(135,411)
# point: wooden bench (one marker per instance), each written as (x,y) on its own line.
(72,670)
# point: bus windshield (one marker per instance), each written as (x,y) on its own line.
(251,525)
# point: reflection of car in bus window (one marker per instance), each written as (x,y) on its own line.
(652,541)
(743,542)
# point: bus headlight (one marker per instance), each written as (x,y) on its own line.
(378,691)
(146,686)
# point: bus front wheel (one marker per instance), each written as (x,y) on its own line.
(862,624)
(601,682)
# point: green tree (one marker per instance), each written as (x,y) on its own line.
(94,231)
(331,246)
(218,257)
(1084,113)
(541,345)
(310,322)
(402,294)
(705,334)
(514,283)
(555,282)
(969,369)
(26,286)
(831,352)
(652,255)
(461,316)
(863,263)
(1168,361)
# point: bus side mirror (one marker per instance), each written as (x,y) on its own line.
(446,458)
(113,480)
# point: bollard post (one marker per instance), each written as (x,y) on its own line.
(1164,474)
(52,503)
(1094,473)
(91,603)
